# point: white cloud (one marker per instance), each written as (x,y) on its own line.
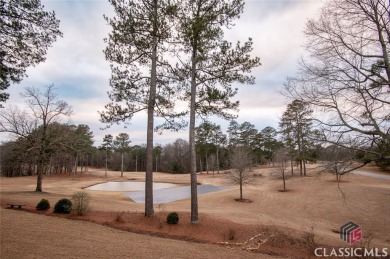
(76,63)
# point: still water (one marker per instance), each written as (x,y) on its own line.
(162,192)
(175,193)
(128,186)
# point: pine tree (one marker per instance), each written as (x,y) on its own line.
(295,126)
(140,81)
(107,147)
(121,144)
(213,65)
(27,31)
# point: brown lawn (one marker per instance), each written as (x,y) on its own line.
(275,223)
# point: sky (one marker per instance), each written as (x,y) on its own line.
(76,65)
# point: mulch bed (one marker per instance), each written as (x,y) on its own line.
(254,238)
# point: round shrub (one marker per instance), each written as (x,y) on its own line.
(173,218)
(43,205)
(63,206)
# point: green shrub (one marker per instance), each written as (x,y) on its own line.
(80,201)
(63,206)
(43,205)
(173,218)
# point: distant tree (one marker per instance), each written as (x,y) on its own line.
(27,31)
(337,161)
(44,109)
(244,134)
(174,157)
(107,146)
(140,75)
(383,148)
(80,142)
(157,154)
(136,150)
(288,139)
(121,144)
(281,158)
(295,126)
(219,140)
(204,141)
(19,156)
(240,162)
(269,142)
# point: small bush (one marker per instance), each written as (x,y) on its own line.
(232,234)
(43,205)
(173,218)
(309,240)
(120,217)
(80,202)
(63,206)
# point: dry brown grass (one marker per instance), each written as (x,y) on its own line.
(312,202)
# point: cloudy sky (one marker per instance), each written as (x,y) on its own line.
(75,63)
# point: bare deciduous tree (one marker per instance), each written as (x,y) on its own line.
(27,31)
(44,109)
(240,162)
(346,75)
(337,160)
(281,164)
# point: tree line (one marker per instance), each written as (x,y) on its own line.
(60,147)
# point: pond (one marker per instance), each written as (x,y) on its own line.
(162,192)
(127,186)
(174,194)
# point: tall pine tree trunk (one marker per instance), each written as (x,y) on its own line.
(194,184)
(149,211)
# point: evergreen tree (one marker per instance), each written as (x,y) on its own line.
(213,65)
(296,127)
(208,138)
(121,144)
(107,147)
(140,75)
(27,31)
